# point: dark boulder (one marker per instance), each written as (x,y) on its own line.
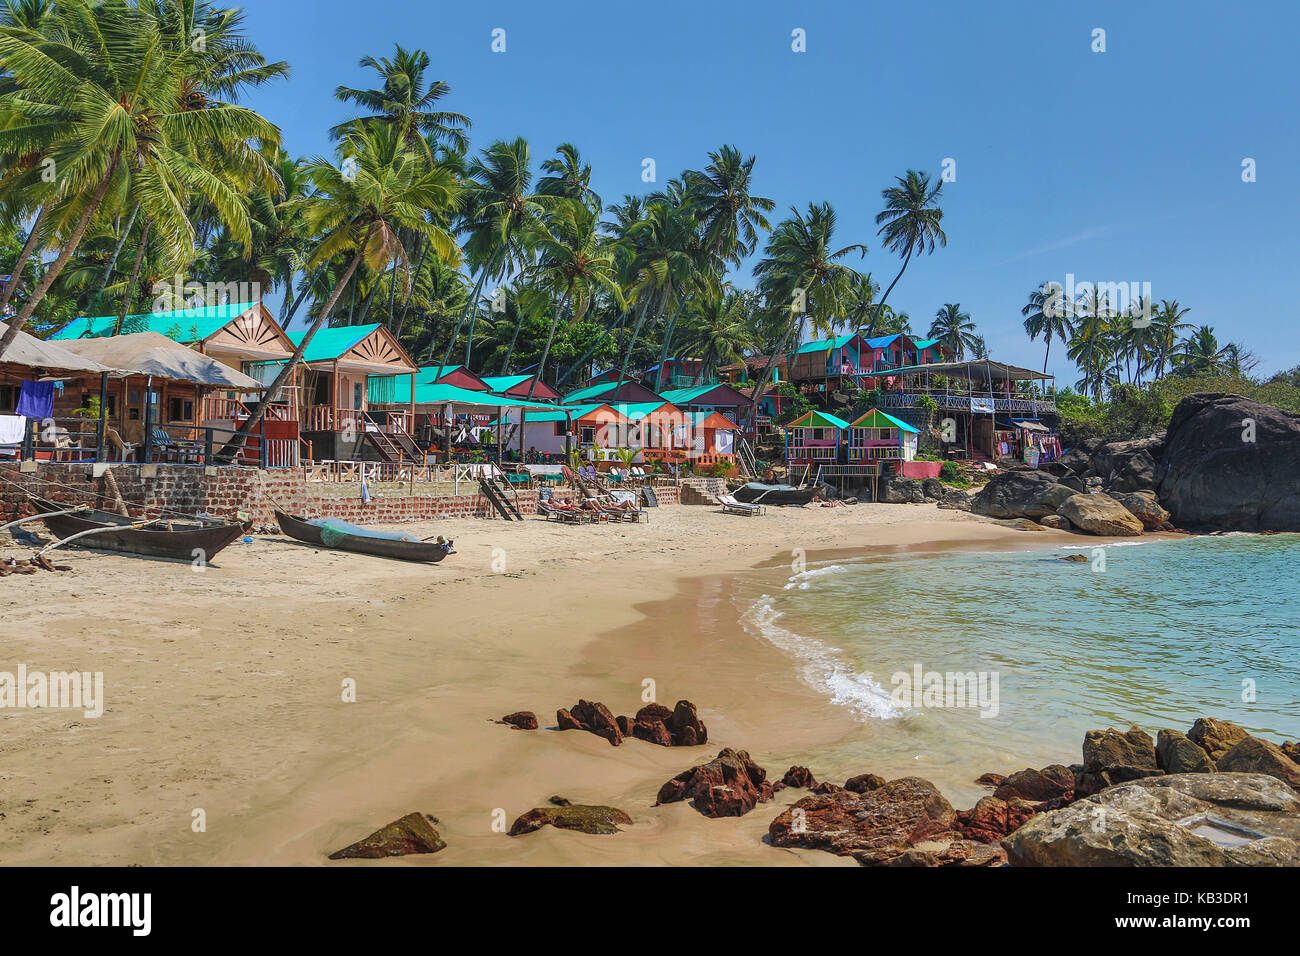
(993,818)
(1127,466)
(1109,750)
(1230,463)
(729,785)
(1216,737)
(587,819)
(1036,786)
(955,499)
(1022,493)
(413,833)
(864,782)
(932,489)
(901,491)
(799,777)
(594,718)
(522,720)
(1177,753)
(1254,755)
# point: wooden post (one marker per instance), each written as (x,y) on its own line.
(334,400)
(412,407)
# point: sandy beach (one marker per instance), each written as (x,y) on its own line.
(224,689)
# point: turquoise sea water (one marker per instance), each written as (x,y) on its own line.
(1167,632)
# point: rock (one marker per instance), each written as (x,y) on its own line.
(729,785)
(1127,466)
(1255,755)
(1019,524)
(1144,506)
(1100,514)
(799,777)
(875,827)
(1035,786)
(1122,756)
(864,782)
(1216,737)
(826,787)
(993,818)
(1055,522)
(1022,493)
(686,727)
(1077,558)
(1176,753)
(956,853)
(1072,481)
(588,819)
(522,720)
(990,779)
(559,801)
(594,718)
(1137,824)
(1229,463)
(413,833)
(955,499)
(654,712)
(932,489)
(1292,750)
(625,725)
(900,491)
(652,731)
(1077,460)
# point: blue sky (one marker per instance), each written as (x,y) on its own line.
(1117,166)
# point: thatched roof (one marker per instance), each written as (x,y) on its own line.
(46,359)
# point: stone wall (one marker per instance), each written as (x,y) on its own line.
(233,491)
(701,491)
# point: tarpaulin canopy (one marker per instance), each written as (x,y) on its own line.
(155,355)
(46,358)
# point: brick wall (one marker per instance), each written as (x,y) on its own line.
(226,492)
(702,491)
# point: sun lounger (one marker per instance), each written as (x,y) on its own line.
(733,507)
(562,515)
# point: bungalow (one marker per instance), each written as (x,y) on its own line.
(630,392)
(829,358)
(750,368)
(876,436)
(711,398)
(814,439)
(556,431)
(676,373)
(518,386)
(710,438)
(338,390)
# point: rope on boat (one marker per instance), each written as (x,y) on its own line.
(158,509)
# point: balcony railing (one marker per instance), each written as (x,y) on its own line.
(962,401)
(814,452)
(218,409)
(874,452)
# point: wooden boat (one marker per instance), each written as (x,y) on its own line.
(332,533)
(760,494)
(167,538)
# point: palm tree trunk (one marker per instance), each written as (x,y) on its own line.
(12,285)
(761,384)
(231,448)
(469,306)
(129,292)
(69,247)
(505,364)
(875,316)
(117,251)
(406,299)
(541,366)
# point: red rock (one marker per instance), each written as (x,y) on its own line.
(990,779)
(875,827)
(686,727)
(864,782)
(592,717)
(1037,785)
(654,712)
(652,731)
(729,785)
(625,725)
(799,777)
(992,818)
(826,787)
(522,720)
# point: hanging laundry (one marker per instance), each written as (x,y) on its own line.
(13,429)
(36,400)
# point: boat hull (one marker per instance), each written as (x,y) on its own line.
(757,493)
(301,530)
(196,539)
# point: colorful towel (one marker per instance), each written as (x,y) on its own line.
(36,400)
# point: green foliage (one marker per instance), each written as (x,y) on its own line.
(1282,390)
(928,403)
(951,474)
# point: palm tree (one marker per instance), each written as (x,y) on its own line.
(404,100)
(568,177)
(1089,348)
(359,215)
(719,335)
(1166,325)
(502,215)
(729,214)
(1046,315)
(99,92)
(909,223)
(573,265)
(1201,354)
(955,330)
(801,270)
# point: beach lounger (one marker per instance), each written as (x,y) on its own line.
(562,515)
(733,507)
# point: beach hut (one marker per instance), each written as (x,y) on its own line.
(876,436)
(828,358)
(814,439)
(710,439)
(631,392)
(518,386)
(554,432)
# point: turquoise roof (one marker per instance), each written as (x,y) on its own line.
(180,325)
(825,345)
(818,419)
(926,343)
(501,383)
(592,391)
(333,342)
(636,411)
(880,341)
(399,393)
(550,413)
(679,395)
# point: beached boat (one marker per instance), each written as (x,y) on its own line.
(183,539)
(332,533)
(758,493)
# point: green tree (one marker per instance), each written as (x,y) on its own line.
(911,222)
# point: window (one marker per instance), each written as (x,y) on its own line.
(587,434)
(8,398)
(818,434)
(357,396)
(180,409)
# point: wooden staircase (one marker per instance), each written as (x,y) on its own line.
(496,495)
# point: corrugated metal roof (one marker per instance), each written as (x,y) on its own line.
(333,342)
(180,325)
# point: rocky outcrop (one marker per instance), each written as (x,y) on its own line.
(1056,522)
(521,720)
(864,782)
(1216,737)
(905,822)
(729,785)
(1177,753)
(1099,514)
(1035,786)
(413,833)
(955,499)
(932,489)
(1144,506)
(800,777)
(1126,466)
(587,819)
(993,818)
(1255,755)
(1198,819)
(1230,463)
(900,491)
(656,724)
(594,718)
(1111,757)
(1021,493)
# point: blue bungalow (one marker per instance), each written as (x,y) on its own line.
(815,439)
